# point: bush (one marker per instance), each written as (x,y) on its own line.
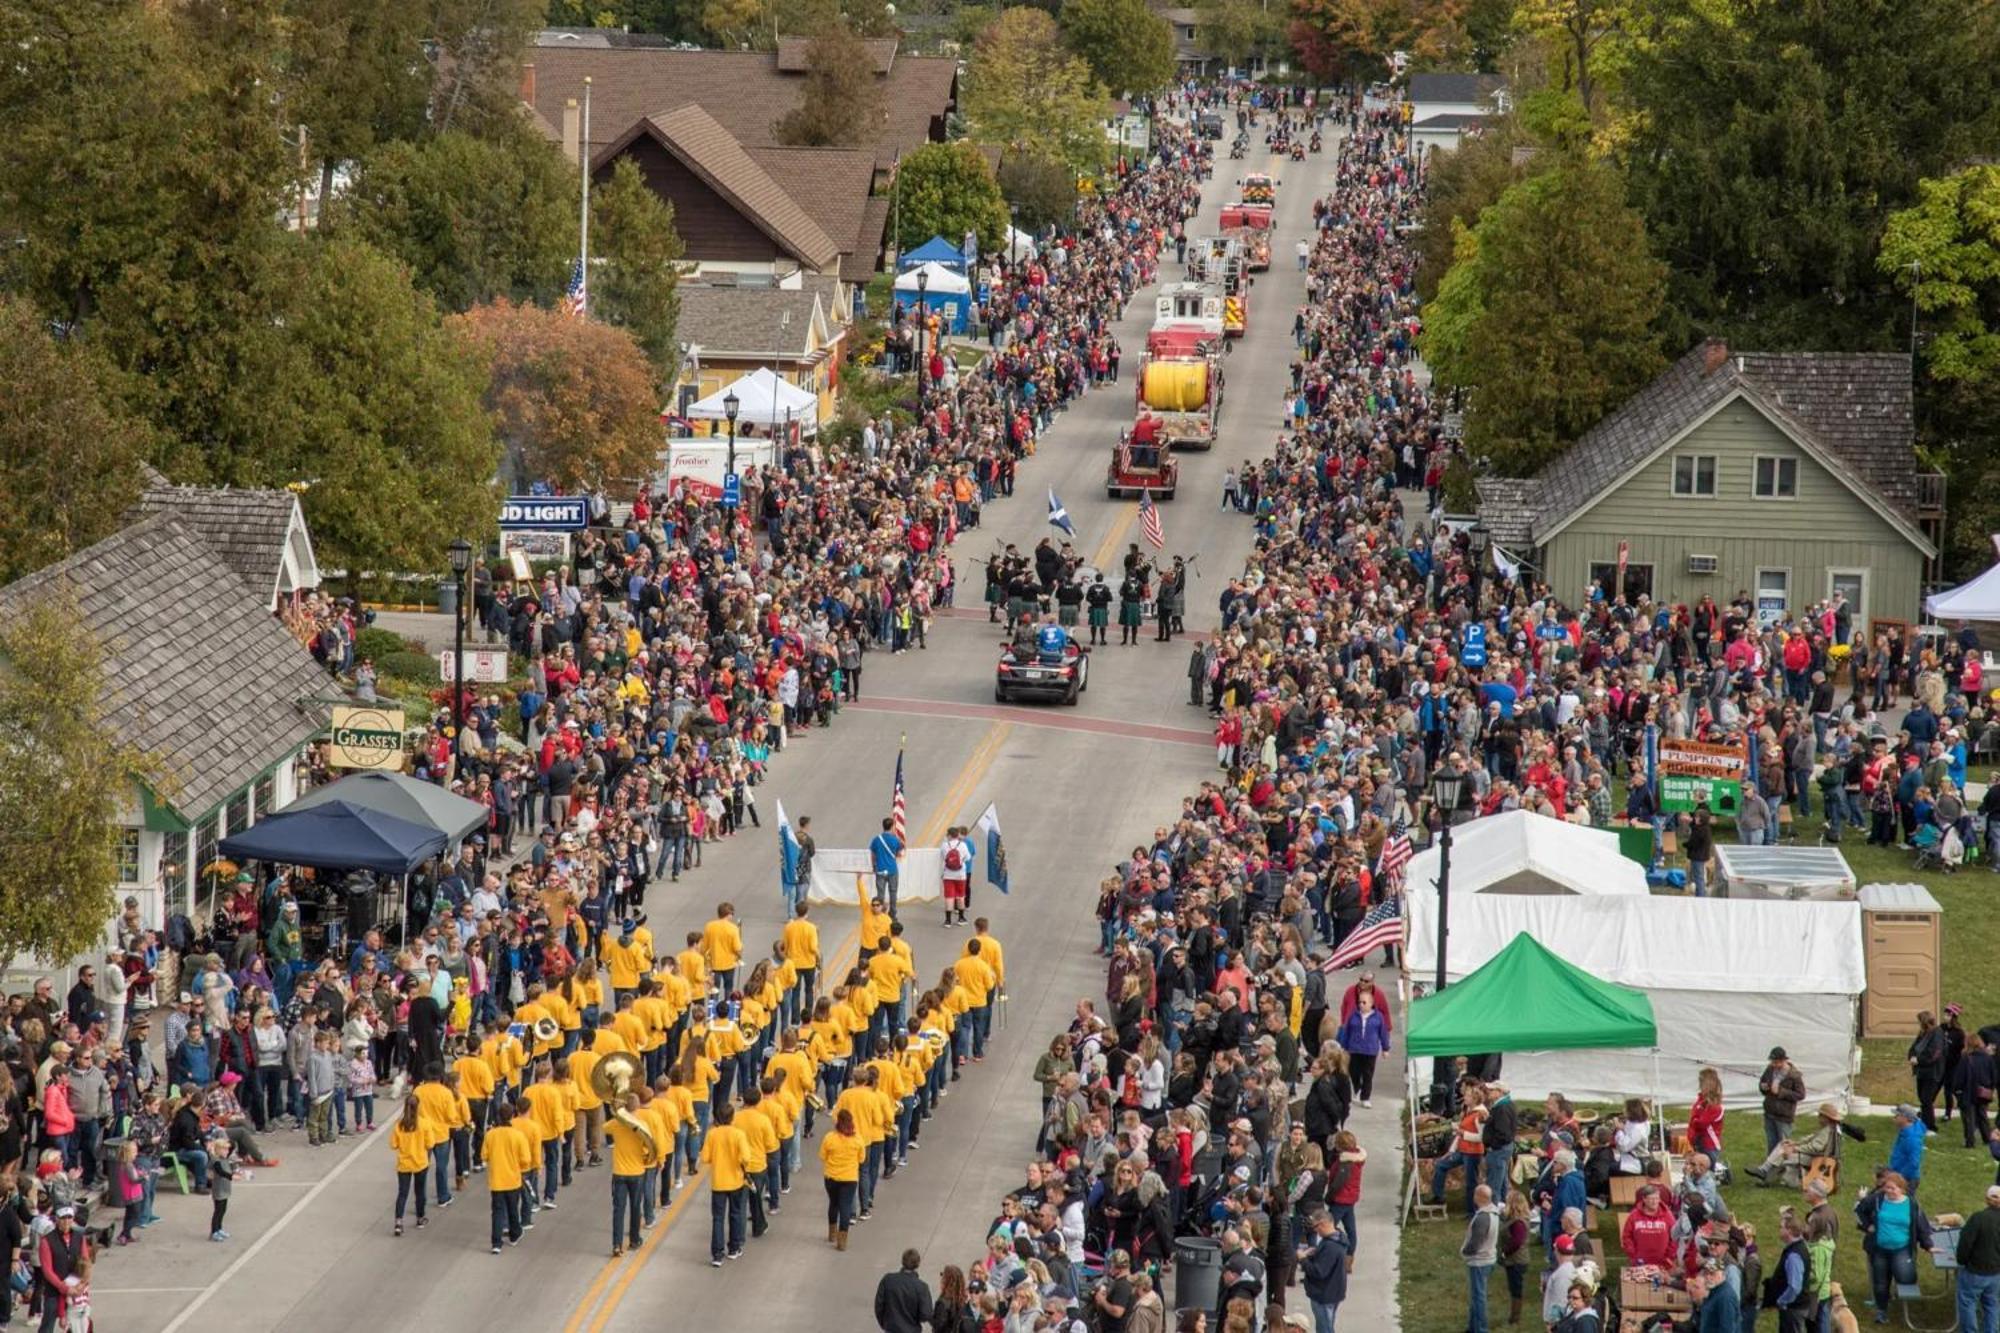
(419,667)
(379,643)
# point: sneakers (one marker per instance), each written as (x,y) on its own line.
(714,1262)
(218,1235)
(617,1251)
(423,1222)
(496,1249)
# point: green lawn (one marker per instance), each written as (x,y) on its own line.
(1433,1282)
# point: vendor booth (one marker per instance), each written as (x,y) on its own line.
(938,251)
(1819,874)
(410,799)
(945,293)
(333,836)
(1522,853)
(1977,600)
(1727,979)
(765,400)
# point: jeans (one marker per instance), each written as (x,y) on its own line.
(1323,1316)
(840,1204)
(1775,1131)
(1499,1161)
(871,1175)
(628,1207)
(886,884)
(196,1162)
(1343,1216)
(506,1205)
(404,1181)
(89,1140)
(1978,1302)
(441,1165)
(732,1207)
(1444,1166)
(1887,1268)
(1476,1276)
(551,1166)
(269,1103)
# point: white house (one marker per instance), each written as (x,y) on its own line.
(1443,109)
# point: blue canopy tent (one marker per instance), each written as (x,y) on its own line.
(424,804)
(937,250)
(337,835)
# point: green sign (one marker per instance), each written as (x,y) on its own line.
(1679,792)
(1692,772)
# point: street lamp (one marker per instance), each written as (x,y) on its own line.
(731,405)
(1447,787)
(923,326)
(1477,536)
(461,561)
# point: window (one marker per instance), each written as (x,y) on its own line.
(128,856)
(267,794)
(174,871)
(1774,596)
(239,811)
(1638,579)
(1853,585)
(1777,478)
(1694,474)
(205,836)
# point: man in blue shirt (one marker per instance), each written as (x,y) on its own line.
(884,849)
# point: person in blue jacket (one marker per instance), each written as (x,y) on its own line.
(1323,1266)
(883,849)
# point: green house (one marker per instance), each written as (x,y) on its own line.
(1782,477)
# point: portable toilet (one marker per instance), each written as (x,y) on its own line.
(1902,934)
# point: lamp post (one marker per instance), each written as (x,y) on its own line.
(461,561)
(731,405)
(1447,786)
(1478,537)
(923,330)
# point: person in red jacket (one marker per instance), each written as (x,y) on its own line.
(1648,1234)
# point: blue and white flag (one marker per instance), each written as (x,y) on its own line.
(788,854)
(1058,516)
(996,851)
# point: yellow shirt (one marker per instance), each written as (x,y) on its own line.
(580,1065)
(567,1014)
(796,1068)
(607,1040)
(657,1017)
(665,1118)
(721,945)
(475,1076)
(528,1014)
(886,973)
(677,993)
(508,1156)
(413,1146)
(694,971)
(865,1107)
(547,1105)
(841,1154)
(705,1074)
(976,976)
(893,1083)
(625,962)
(724,1039)
(874,925)
(800,939)
(631,1027)
(726,1151)
(833,1032)
(780,1116)
(989,950)
(628,1150)
(438,1111)
(763,1139)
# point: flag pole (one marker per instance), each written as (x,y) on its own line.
(583,209)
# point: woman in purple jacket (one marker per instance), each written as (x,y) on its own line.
(1364,1035)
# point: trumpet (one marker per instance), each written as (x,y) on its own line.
(612,1078)
(814,1100)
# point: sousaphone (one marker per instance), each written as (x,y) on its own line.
(613,1078)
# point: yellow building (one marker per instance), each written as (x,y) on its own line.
(726,331)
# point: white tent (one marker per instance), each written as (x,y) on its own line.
(1018,245)
(942,281)
(1729,979)
(1519,852)
(762,399)
(1977,600)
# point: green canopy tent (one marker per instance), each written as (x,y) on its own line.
(1527,999)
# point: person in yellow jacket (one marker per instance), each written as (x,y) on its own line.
(530,1012)
(833,1046)
(548,1100)
(989,949)
(865,1103)
(976,974)
(800,941)
(658,1112)
(894,1083)
(726,1150)
(410,1138)
(793,1069)
(562,1006)
(959,1003)
(874,921)
(530,1129)
(627,1023)
(722,947)
(722,1043)
(587,1136)
(626,960)
(509,1158)
(679,1098)
(841,1153)
(477,1083)
(657,1017)
(784,1123)
(697,1073)
(630,1154)
(439,1111)
(887,971)
(694,969)
(763,1160)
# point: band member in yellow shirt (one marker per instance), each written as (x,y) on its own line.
(694,969)
(871,1117)
(442,1113)
(663,1119)
(476,1083)
(656,1016)
(629,1155)
(840,1156)
(727,1152)
(835,1048)
(626,960)
(978,977)
(800,941)
(722,947)
(763,1161)
(586,1137)
(410,1138)
(784,1122)
(548,1101)
(509,1157)
(887,971)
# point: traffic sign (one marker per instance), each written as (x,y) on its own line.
(732,490)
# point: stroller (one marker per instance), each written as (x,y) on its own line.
(1937,849)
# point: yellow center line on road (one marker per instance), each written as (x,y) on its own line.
(944,816)
(1117,534)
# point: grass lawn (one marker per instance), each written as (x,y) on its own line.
(1432,1284)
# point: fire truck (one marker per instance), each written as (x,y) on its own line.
(1259,189)
(1180,383)
(1250,224)
(1219,262)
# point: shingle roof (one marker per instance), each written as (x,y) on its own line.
(1505,509)
(1855,407)
(1449,87)
(831,186)
(197,671)
(745,90)
(246,528)
(792,53)
(1449,120)
(747,321)
(703,146)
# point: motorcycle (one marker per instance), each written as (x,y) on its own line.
(1298,152)
(1315,143)
(1236,151)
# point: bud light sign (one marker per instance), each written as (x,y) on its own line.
(545,513)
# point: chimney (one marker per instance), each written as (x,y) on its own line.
(1713,353)
(528,82)
(572,130)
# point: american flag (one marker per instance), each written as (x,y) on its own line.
(1395,855)
(575,297)
(1382,927)
(898,810)
(1149,520)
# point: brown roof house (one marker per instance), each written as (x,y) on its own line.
(197,671)
(730,330)
(1787,476)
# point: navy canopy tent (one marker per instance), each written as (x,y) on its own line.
(337,835)
(937,250)
(424,804)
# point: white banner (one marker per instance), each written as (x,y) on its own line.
(834,869)
(487,666)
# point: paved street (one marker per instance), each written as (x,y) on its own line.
(1075,787)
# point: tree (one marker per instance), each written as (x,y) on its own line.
(1547,316)
(573,399)
(947,189)
(1462,184)
(1041,191)
(70,453)
(1128,47)
(1945,252)
(473,217)
(1231,29)
(1025,90)
(635,277)
(841,102)
(64,780)
(354,83)
(1576,30)
(1352,39)
(1772,142)
(476,50)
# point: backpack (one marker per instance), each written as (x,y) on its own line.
(954,858)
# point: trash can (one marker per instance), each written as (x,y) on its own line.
(1197,1273)
(448,597)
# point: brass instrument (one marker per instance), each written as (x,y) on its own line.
(612,1078)
(814,1100)
(546,1029)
